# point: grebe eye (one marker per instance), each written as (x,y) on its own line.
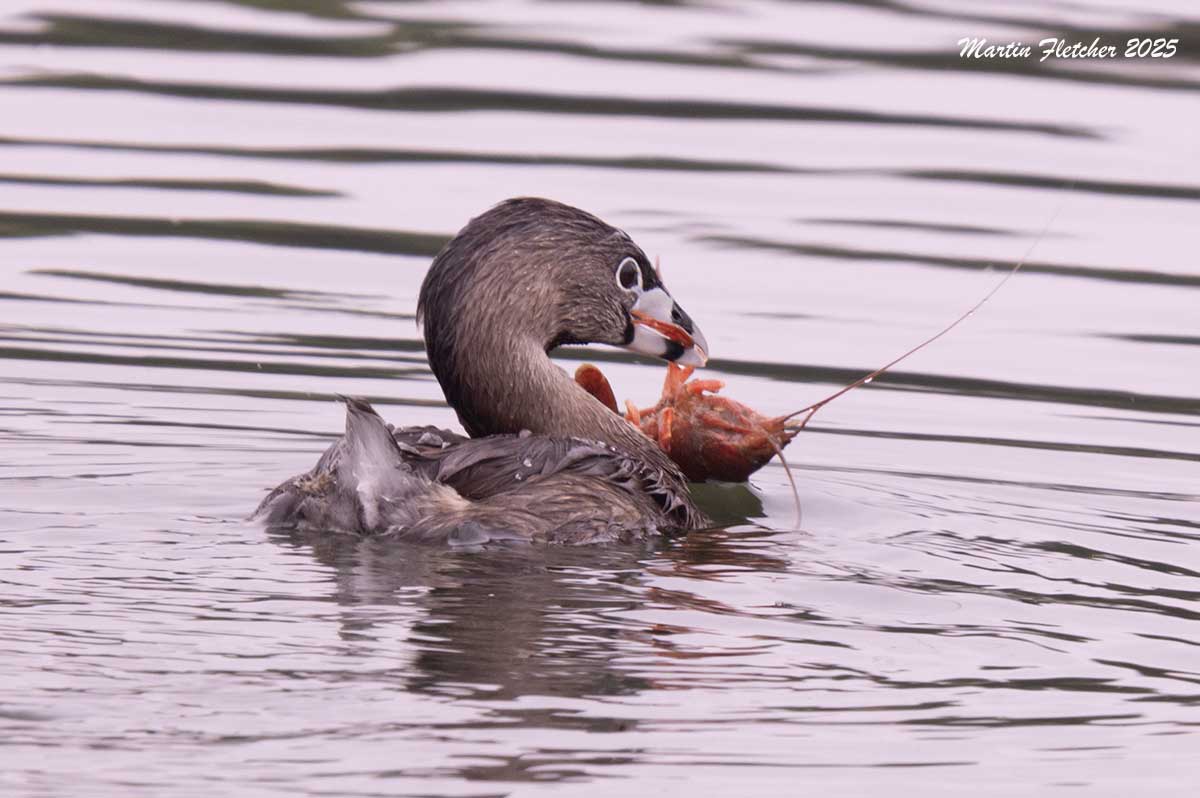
(629,274)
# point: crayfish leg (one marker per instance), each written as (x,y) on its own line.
(697,387)
(676,376)
(665,421)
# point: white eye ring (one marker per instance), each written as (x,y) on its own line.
(629,275)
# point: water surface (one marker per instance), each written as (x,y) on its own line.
(215,216)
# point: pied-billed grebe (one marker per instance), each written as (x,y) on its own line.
(545,461)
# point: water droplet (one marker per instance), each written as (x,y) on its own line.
(527,463)
(519,477)
(868,380)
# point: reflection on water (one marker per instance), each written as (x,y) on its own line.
(216,216)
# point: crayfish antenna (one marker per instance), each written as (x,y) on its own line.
(868,378)
(791,479)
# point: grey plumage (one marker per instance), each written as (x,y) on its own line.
(507,487)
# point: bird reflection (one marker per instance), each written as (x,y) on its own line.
(511,621)
(498,623)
